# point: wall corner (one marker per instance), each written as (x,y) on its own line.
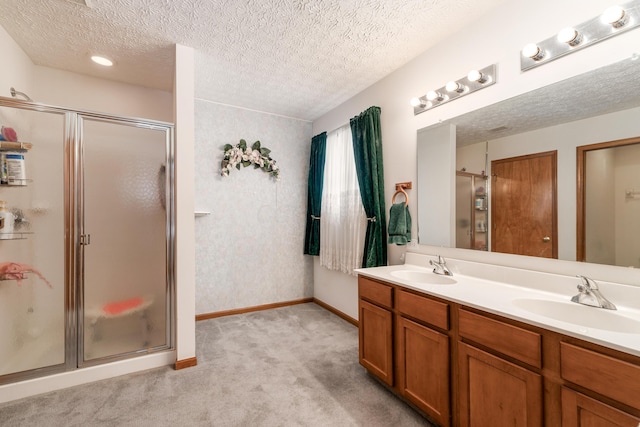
(184,118)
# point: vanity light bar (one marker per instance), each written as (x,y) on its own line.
(472,82)
(613,21)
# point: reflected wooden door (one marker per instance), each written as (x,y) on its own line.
(524,205)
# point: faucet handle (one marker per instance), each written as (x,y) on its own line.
(587,284)
(440,261)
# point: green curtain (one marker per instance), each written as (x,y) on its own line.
(314,194)
(367,149)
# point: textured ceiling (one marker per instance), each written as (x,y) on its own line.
(298,58)
(605,90)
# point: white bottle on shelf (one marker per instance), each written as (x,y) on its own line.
(6,222)
(4,176)
(15,169)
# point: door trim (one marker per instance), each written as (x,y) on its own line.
(581,188)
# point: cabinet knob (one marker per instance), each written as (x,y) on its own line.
(546,239)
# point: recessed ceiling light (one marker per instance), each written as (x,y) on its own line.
(102,60)
(498,129)
(81,2)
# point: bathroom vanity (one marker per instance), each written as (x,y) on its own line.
(470,351)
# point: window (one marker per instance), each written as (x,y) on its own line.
(343,222)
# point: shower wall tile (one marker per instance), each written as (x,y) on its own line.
(249,249)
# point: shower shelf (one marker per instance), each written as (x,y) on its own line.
(11,276)
(20,147)
(16,235)
(23,183)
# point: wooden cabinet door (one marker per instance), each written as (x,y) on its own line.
(376,340)
(494,392)
(579,410)
(423,369)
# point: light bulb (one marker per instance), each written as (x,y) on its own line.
(417,102)
(102,60)
(570,36)
(615,16)
(454,87)
(432,95)
(533,51)
(476,76)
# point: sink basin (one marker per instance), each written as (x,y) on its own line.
(423,277)
(580,315)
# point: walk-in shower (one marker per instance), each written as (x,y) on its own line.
(95,217)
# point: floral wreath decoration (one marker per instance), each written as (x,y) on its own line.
(241,155)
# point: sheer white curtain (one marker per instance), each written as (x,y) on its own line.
(343,222)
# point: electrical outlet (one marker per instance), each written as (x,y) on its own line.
(413,244)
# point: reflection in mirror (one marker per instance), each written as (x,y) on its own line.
(472,211)
(609,203)
(583,110)
(524,202)
(436,157)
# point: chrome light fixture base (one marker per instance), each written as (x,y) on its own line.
(463,86)
(586,34)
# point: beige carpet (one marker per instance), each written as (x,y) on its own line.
(292,366)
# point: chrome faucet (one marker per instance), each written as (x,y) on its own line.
(440,266)
(590,295)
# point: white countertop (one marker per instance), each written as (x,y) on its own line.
(498,297)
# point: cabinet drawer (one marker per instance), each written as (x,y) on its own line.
(513,341)
(610,377)
(375,292)
(580,410)
(427,310)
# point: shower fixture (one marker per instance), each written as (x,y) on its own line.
(15,93)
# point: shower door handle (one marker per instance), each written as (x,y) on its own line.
(85,239)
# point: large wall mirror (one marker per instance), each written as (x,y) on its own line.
(537,136)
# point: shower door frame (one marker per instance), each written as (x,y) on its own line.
(79,207)
(73,217)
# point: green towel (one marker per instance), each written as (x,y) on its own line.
(399,224)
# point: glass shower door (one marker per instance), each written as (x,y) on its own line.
(33,279)
(464,221)
(124,238)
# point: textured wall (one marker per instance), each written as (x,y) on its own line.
(249,249)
